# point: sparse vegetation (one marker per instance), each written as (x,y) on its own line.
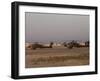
(54,59)
(57,56)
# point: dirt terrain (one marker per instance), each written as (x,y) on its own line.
(56,56)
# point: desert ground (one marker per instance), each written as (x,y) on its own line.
(56,56)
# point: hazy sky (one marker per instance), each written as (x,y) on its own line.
(43,27)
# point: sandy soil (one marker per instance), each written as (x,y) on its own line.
(57,56)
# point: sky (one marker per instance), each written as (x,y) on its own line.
(46,27)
